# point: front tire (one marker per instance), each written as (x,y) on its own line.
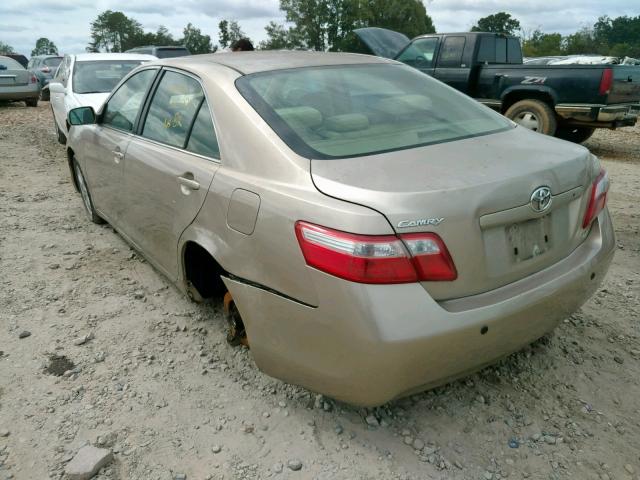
(534,115)
(575,134)
(84,193)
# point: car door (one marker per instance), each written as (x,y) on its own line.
(57,89)
(104,160)
(450,67)
(170,165)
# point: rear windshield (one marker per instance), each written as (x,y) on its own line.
(100,76)
(356,110)
(52,62)
(171,52)
(7,63)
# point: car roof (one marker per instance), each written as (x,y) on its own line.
(88,57)
(254,62)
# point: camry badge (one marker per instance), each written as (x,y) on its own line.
(420,222)
(541,199)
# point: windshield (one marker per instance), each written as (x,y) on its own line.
(356,110)
(100,76)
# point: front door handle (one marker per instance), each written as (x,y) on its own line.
(189,183)
(117,156)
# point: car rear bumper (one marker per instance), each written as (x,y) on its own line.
(624,114)
(20,92)
(368,344)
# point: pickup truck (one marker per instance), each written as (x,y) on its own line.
(568,101)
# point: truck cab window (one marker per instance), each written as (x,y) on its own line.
(420,53)
(451,53)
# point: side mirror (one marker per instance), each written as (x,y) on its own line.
(56,87)
(82,116)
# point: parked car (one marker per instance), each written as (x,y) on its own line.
(21,59)
(87,80)
(17,84)
(568,101)
(44,67)
(162,52)
(378,232)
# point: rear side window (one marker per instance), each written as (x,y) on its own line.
(203,139)
(451,54)
(122,109)
(173,109)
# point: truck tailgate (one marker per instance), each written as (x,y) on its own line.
(626,84)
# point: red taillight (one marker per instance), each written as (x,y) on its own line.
(606,81)
(376,258)
(33,79)
(597,198)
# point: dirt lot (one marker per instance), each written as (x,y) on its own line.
(153,379)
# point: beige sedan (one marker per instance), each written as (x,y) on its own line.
(378,232)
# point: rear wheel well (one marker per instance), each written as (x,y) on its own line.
(202,272)
(516,96)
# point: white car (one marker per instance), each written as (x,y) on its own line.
(86,80)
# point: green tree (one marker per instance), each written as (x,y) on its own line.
(541,44)
(501,22)
(195,41)
(618,36)
(329,24)
(581,42)
(280,37)
(223,34)
(44,46)
(5,48)
(115,32)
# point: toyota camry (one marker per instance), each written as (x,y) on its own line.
(373,231)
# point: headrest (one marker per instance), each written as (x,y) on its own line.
(307,117)
(404,104)
(349,122)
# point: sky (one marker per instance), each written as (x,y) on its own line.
(66,22)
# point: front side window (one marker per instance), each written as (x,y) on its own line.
(420,53)
(173,109)
(122,108)
(356,110)
(100,76)
(451,54)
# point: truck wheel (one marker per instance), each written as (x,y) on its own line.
(575,134)
(534,115)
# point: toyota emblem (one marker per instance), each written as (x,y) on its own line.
(541,199)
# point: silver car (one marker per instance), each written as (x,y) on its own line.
(17,83)
(373,231)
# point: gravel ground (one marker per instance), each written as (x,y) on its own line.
(99,348)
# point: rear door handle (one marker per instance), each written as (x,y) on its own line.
(189,183)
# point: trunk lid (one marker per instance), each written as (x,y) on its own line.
(626,84)
(14,77)
(476,194)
